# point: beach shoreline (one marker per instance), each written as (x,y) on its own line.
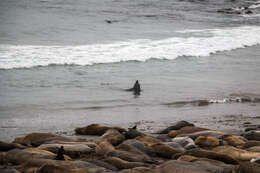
(106,148)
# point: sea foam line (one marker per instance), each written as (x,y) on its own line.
(198,43)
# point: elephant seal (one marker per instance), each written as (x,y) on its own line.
(122,164)
(207,141)
(165,151)
(136,88)
(252,135)
(132,133)
(185,142)
(178,125)
(96,129)
(113,136)
(236,153)
(198,152)
(234,140)
(184,130)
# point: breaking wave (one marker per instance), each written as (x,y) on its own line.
(195,43)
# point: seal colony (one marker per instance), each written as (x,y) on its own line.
(180,148)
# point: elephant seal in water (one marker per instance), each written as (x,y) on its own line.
(136,88)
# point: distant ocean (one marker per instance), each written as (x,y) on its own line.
(65,64)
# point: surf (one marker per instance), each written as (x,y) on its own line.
(194,43)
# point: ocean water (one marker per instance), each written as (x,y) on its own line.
(65,64)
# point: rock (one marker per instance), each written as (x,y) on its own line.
(178,125)
(212,133)
(33,138)
(149,140)
(122,164)
(236,153)
(97,129)
(185,142)
(176,166)
(72,150)
(248,167)
(198,152)
(113,137)
(141,147)
(17,156)
(165,151)
(207,141)
(184,130)
(7,169)
(252,135)
(233,140)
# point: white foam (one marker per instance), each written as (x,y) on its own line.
(200,43)
(255,4)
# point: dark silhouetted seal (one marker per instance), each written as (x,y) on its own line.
(136,88)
